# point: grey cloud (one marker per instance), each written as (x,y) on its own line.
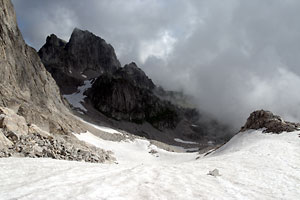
(234,56)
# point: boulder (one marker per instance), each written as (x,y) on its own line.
(11,122)
(214,173)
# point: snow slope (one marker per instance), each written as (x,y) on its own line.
(252,165)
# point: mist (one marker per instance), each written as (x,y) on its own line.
(232,56)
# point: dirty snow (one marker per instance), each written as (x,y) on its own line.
(252,165)
(76,99)
(101,128)
(184,142)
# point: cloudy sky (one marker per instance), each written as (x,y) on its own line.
(234,56)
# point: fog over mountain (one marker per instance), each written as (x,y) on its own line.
(233,56)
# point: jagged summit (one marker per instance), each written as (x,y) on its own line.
(85,56)
(135,75)
(55,41)
(79,35)
(271,123)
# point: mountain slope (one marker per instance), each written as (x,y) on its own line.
(34,119)
(124,97)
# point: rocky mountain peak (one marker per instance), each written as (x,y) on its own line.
(55,41)
(135,75)
(85,56)
(79,35)
(262,119)
(91,53)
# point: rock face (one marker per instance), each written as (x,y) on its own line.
(122,98)
(272,123)
(29,95)
(136,76)
(25,85)
(85,56)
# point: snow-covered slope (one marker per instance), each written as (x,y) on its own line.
(252,165)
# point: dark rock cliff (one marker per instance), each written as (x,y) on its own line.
(85,56)
(123,99)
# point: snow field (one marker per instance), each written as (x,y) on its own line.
(252,165)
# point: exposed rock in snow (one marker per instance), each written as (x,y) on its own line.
(214,173)
(271,123)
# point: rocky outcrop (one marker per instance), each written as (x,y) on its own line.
(85,56)
(262,119)
(133,74)
(121,98)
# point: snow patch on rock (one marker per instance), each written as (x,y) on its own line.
(76,99)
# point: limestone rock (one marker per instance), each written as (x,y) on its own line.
(4,142)
(25,84)
(10,121)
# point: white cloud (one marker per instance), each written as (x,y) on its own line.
(159,48)
(233,56)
